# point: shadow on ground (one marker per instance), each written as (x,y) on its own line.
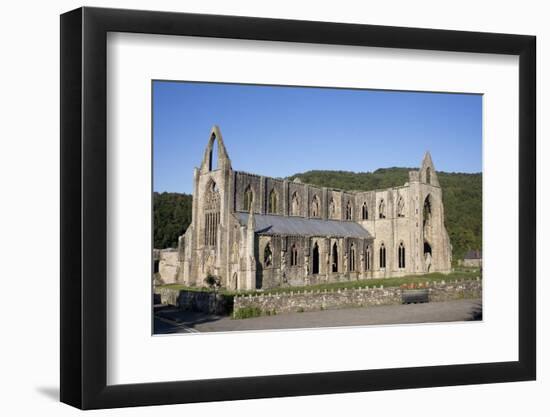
(169,319)
(476,313)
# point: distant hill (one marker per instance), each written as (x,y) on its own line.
(461,198)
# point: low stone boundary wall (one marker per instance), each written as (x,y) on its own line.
(300,301)
(201,301)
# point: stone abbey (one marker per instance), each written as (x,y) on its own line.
(257,232)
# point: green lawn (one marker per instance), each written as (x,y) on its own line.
(386,282)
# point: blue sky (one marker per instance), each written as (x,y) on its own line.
(279,131)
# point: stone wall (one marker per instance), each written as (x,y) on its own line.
(200,301)
(356,297)
(168,265)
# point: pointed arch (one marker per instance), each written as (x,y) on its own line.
(295,204)
(211,213)
(331,209)
(382,254)
(365,211)
(215,154)
(427,211)
(315,210)
(315,266)
(382,209)
(368,258)
(248,198)
(351,258)
(272,203)
(268,256)
(401,207)
(293,255)
(401,255)
(334,258)
(349,211)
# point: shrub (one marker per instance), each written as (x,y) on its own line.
(247,312)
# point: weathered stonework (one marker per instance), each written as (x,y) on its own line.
(256,232)
(356,297)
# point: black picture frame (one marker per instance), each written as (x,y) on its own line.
(84,207)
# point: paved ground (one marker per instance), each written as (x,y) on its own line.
(170,320)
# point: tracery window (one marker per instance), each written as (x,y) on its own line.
(211,214)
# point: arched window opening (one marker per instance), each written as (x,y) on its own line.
(213,156)
(295,208)
(352,258)
(427,256)
(293,256)
(427,212)
(427,248)
(235,281)
(334,257)
(315,268)
(401,255)
(248,198)
(367,259)
(331,209)
(365,211)
(268,256)
(382,209)
(272,204)
(428,175)
(315,207)
(211,214)
(349,210)
(382,256)
(401,207)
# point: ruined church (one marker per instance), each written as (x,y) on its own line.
(257,232)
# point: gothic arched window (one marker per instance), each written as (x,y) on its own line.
(365,211)
(352,258)
(349,210)
(248,198)
(401,255)
(272,204)
(315,207)
(428,175)
(382,209)
(268,256)
(295,208)
(211,214)
(401,207)
(382,256)
(331,209)
(293,255)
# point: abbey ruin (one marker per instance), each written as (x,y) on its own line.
(255,232)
